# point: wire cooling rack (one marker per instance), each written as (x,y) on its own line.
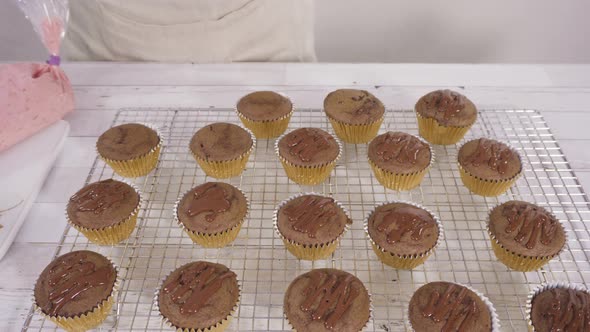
(265,268)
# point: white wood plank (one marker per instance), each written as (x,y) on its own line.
(62,183)
(44,224)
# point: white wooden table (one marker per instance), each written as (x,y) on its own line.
(562,93)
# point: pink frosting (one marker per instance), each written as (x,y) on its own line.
(32,97)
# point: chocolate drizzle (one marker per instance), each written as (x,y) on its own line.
(400,220)
(368,103)
(448,102)
(531,222)
(311,214)
(400,147)
(571,313)
(99,196)
(209,198)
(306,143)
(195,286)
(493,154)
(455,308)
(328,297)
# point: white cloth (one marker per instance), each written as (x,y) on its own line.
(203,31)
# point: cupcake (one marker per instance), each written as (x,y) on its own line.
(198,296)
(132,150)
(403,235)
(488,167)
(356,115)
(266,113)
(559,307)
(327,300)
(525,236)
(444,116)
(308,155)
(76,291)
(222,149)
(212,213)
(105,211)
(445,306)
(399,160)
(311,225)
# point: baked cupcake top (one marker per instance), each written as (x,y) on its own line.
(399,152)
(102,204)
(127,141)
(74,284)
(448,108)
(403,229)
(354,107)
(327,300)
(311,219)
(198,295)
(308,147)
(444,306)
(488,159)
(212,207)
(526,229)
(264,106)
(221,142)
(561,309)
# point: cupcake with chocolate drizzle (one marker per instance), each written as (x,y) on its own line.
(559,306)
(444,116)
(488,167)
(403,235)
(199,296)
(399,160)
(308,155)
(311,225)
(525,236)
(212,214)
(105,211)
(76,291)
(327,300)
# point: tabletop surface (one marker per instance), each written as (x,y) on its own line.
(560,92)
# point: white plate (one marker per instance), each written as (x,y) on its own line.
(23,169)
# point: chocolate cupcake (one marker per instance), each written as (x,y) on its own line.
(105,211)
(445,306)
(525,236)
(212,214)
(132,150)
(311,225)
(222,149)
(559,307)
(356,115)
(266,113)
(399,160)
(403,235)
(327,300)
(488,167)
(444,116)
(308,155)
(198,296)
(76,291)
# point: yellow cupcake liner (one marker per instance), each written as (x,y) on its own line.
(353,133)
(438,134)
(140,166)
(226,168)
(403,262)
(545,287)
(304,251)
(267,128)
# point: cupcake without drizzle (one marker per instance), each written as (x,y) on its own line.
(266,113)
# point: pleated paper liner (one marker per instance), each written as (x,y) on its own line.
(213,240)
(404,262)
(307,175)
(546,287)
(263,129)
(438,134)
(353,133)
(493,314)
(304,251)
(218,327)
(140,166)
(226,168)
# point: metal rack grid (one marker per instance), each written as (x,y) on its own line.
(265,268)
